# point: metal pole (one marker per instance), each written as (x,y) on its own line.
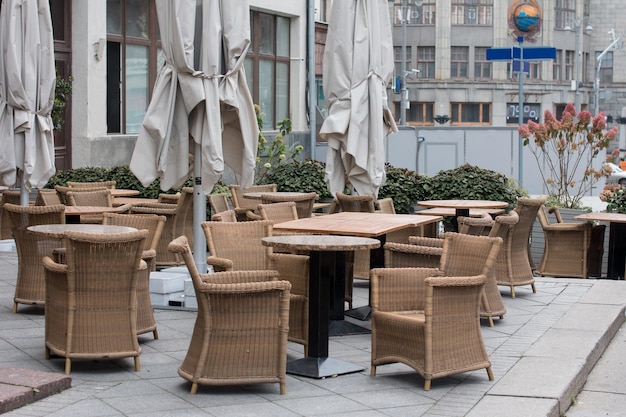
(311,76)
(403,91)
(520,75)
(596,83)
(577,65)
(199,211)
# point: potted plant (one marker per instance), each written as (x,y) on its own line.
(565,151)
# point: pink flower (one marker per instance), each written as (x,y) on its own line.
(569,109)
(524,131)
(584,117)
(599,122)
(611,135)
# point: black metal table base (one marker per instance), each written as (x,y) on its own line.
(345,328)
(321,367)
(363,313)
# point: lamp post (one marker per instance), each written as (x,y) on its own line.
(596,83)
(578,58)
(404,94)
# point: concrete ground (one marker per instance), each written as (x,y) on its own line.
(543,351)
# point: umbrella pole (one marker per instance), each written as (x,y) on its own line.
(24,195)
(199,212)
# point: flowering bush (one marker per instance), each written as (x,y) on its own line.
(272,154)
(567,148)
(615,197)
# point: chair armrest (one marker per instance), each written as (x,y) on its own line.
(399,289)
(426,241)
(220,264)
(564,227)
(52,266)
(154,208)
(253,216)
(239,277)
(293,268)
(124,208)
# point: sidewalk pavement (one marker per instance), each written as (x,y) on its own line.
(542,352)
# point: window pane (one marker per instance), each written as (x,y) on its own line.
(249,73)
(137,90)
(114,17)
(267,34)
(138,18)
(282,91)
(266,92)
(282,36)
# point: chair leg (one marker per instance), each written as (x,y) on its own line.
(490,373)
(155,333)
(68,366)
(306,351)
(283,388)
(427,385)
(373,370)
(194,388)
(14,307)
(490,321)
(512,291)
(47,353)
(533,287)
(137,364)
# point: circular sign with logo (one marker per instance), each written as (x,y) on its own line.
(525,19)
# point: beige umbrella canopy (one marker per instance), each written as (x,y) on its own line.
(201,104)
(27,83)
(358,64)
(200,97)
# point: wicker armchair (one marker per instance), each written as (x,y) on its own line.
(47,197)
(6,228)
(63,190)
(246,314)
(437,336)
(566,251)
(94,185)
(278,212)
(99,198)
(218,203)
(179,222)
(385,205)
(91,307)
(517,270)
(304,202)
(359,203)
(224,216)
(30,287)
(237,247)
(154,224)
(242,204)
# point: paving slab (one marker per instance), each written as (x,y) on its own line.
(19,386)
(493,405)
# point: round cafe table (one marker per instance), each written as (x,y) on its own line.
(57,231)
(462,207)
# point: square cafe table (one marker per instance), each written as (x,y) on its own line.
(373,225)
(617,240)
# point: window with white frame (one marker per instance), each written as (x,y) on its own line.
(415,13)
(459,61)
(606,67)
(564,13)
(472,12)
(426,61)
(569,65)
(397,51)
(482,67)
(470,113)
(418,113)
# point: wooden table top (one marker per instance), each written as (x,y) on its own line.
(256,195)
(80,210)
(59,230)
(119,201)
(446,211)
(320,242)
(122,192)
(464,204)
(602,216)
(355,224)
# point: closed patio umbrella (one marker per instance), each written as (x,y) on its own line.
(358,64)
(27,83)
(201,104)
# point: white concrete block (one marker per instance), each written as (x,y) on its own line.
(164,299)
(163,282)
(191,302)
(176,270)
(189,290)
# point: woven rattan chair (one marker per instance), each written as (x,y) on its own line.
(385,205)
(218,203)
(238,247)
(99,198)
(438,336)
(63,190)
(224,216)
(566,250)
(47,197)
(358,203)
(91,303)
(241,204)
(517,271)
(168,198)
(6,228)
(30,287)
(179,222)
(240,334)
(304,202)
(154,224)
(278,212)
(93,185)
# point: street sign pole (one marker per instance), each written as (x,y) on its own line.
(520,74)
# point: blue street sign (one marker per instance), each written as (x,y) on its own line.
(516,65)
(532,53)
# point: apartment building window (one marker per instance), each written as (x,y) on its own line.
(564,13)
(534,73)
(267,66)
(606,67)
(482,67)
(418,113)
(426,61)
(459,61)
(470,113)
(556,66)
(569,65)
(397,51)
(415,14)
(322,10)
(133,61)
(472,12)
